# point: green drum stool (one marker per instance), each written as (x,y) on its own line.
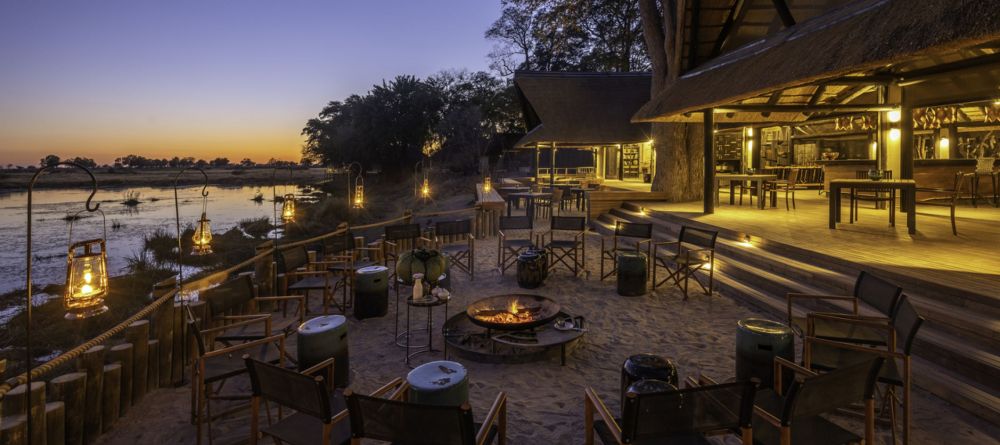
(442,383)
(322,338)
(758,342)
(633,270)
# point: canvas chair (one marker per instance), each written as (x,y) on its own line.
(878,196)
(794,417)
(398,239)
(882,295)
(300,273)
(391,419)
(947,197)
(641,233)
(693,250)
(788,185)
(213,366)
(680,417)
(457,240)
(571,253)
(238,300)
(510,240)
(828,355)
(320,415)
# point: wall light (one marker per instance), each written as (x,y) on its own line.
(750,131)
(944,145)
(894,134)
(874,150)
(487,184)
(894,116)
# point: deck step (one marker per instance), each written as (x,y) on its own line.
(957,345)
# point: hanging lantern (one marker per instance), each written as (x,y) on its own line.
(425,189)
(288,209)
(359,193)
(487,184)
(86,279)
(202,237)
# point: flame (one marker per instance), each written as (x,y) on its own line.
(513,307)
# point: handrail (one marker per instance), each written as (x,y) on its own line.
(195,284)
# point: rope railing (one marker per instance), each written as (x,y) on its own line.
(196,284)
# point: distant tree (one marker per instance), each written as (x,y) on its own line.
(86,162)
(201,163)
(220,162)
(247,163)
(49,161)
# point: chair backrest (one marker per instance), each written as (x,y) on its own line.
(698,237)
(194,330)
(229,296)
(515,223)
(574,223)
(863,174)
(450,228)
(557,194)
(338,244)
(906,322)
(793,175)
(823,393)
(401,232)
(878,293)
(633,230)
(292,258)
(410,423)
(658,415)
(305,394)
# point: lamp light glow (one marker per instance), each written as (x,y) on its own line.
(750,131)
(944,146)
(874,150)
(894,116)
(487,184)
(86,279)
(288,209)
(359,193)
(202,237)
(894,134)
(425,189)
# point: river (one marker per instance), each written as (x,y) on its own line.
(226,207)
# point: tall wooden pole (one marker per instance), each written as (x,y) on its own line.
(552,166)
(708,196)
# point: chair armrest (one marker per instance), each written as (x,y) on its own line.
(783,363)
(282,298)
(768,417)
(327,365)
(262,318)
(395,383)
(879,322)
(666,243)
(809,341)
(228,350)
(498,416)
(789,297)
(591,399)
(308,273)
(401,392)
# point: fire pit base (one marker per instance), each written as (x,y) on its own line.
(472,342)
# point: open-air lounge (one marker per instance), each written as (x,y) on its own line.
(576,300)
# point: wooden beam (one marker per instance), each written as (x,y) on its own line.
(824,108)
(695,21)
(817,95)
(936,70)
(786,15)
(708,194)
(775,97)
(735,13)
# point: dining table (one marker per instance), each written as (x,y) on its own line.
(906,187)
(733,178)
(529,201)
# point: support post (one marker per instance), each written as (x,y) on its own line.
(905,145)
(55,423)
(552,166)
(92,362)
(122,354)
(71,390)
(708,197)
(137,333)
(111,396)
(18,400)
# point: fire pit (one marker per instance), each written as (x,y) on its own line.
(513,312)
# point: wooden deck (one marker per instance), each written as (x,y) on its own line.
(969,261)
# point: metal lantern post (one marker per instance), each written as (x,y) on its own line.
(202,246)
(274,214)
(86,277)
(358,199)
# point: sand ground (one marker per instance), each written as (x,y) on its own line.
(546,399)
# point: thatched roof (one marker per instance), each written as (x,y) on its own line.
(863,37)
(582,108)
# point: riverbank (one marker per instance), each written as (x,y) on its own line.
(13,181)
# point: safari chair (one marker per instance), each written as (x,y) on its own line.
(398,239)
(509,247)
(391,419)
(238,300)
(214,366)
(788,185)
(693,250)
(457,240)
(342,256)
(794,417)
(829,355)
(641,233)
(870,289)
(320,413)
(298,272)
(571,253)
(947,197)
(681,417)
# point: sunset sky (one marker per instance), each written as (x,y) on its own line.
(209,78)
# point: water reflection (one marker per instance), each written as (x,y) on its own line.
(126,224)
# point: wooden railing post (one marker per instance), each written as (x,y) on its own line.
(111,396)
(17,402)
(163,327)
(138,335)
(122,354)
(71,390)
(92,363)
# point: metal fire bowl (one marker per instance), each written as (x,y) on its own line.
(549,310)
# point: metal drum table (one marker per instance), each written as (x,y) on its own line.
(647,367)
(371,292)
(442,383)
(633,271)
(758,342)
(321,338)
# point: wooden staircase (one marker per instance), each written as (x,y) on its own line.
(956,354)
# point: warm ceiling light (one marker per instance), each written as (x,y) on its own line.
(750,131)
(425,189)
(894,134)
(894,115)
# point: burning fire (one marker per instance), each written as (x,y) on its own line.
(512,314)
